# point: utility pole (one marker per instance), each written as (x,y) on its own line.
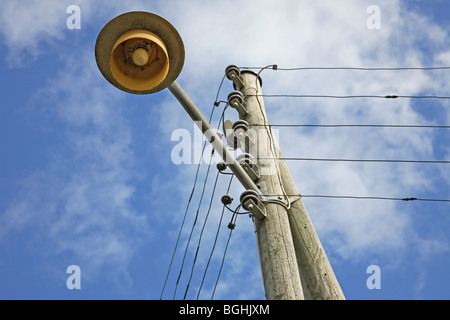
(317,278)
(279,268)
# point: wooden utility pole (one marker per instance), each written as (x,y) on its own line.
(318,278)
(279,267)
(285,225)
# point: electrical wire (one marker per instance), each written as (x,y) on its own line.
(215,240)
(351,96)
(201,233)
(373,198)
(216,104)
(229,185)
(271,138)
(353,126)
(357,160)
(192,228)
(276,68)
(224,254)
(236,211)
(197,214)
(186,211)
(364,197)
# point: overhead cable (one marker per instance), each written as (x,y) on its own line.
(275,67)
(353,126)
(350,96)
(355,160)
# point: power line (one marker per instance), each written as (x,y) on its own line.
(352,126)
(410,199)
(355,160)
(186,211)
(215,240)
(224,255)
(216,103)
(192,228)
(196,217)
(371,198)
(351,96)
(201,234)
(275,67)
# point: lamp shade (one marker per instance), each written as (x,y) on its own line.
(139,52)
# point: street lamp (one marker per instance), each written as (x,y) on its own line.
(142,53)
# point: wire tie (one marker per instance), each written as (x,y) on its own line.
(409,199)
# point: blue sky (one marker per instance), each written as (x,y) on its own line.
(87,176)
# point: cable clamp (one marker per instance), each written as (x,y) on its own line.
(269,198)
(250,201)
(293,198)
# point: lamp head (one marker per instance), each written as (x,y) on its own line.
(139,52)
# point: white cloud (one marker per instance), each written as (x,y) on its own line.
(26,24)
(31,28)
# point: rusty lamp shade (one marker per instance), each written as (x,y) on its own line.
(139,52)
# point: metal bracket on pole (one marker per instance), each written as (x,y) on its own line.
(250,200)
(236,100)
(265,197)
(239,135)
(233,73)
(249,165)
(244,136)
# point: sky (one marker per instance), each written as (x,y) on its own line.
(88,175)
